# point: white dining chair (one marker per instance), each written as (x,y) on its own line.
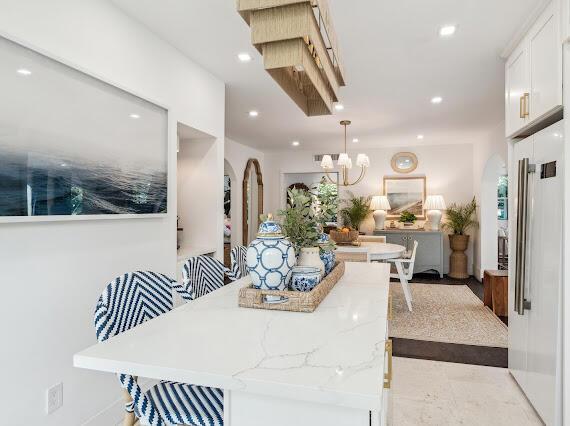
(405,268)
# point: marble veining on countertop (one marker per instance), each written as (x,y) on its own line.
(334,355)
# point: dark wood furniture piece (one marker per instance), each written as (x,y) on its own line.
(227,254)
(496,291)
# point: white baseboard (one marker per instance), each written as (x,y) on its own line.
(111,416)
(114,414)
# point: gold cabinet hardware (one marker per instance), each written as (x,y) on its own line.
(526,104)
(388,374)
(521,107)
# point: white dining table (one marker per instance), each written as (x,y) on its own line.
(275,368)
(374,251)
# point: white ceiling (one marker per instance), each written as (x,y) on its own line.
(394,59)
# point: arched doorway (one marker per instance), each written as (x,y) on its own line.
(490,216)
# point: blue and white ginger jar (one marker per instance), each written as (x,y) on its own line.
(305,278)
(270,257)
(328,257)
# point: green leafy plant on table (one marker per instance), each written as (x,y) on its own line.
(407,217)
(356,209)
(300,224)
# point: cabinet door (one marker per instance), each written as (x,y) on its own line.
(545,65)
(517,89)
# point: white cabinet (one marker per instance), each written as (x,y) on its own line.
(517,93)
(533,75)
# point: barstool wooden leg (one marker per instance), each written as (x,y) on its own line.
(130,418)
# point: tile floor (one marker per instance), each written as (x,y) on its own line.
(440,393)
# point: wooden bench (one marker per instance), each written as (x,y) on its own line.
(496,292)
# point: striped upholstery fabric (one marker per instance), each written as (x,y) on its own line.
(202,275)
(128,301)
(238,263)
(182,404)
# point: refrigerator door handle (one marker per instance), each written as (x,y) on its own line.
(525,168)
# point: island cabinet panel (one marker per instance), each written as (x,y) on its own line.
(429,256)
(246,409)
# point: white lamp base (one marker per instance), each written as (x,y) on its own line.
(433,220)
(379,219)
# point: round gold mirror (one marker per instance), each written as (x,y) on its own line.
(404,162)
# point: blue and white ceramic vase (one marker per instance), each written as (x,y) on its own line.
(328,256)
(270,257)
(305,278)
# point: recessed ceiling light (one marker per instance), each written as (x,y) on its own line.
(253,113)
(295,143)
(355,140)
(436,100)
(339,107)
(420,137)
(24,71)
(244,57)
(134,116)
(447,30)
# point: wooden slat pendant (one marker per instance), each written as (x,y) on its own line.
(294,37)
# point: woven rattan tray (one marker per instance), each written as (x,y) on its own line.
(295,301)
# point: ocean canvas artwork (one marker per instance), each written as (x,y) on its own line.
(405,194)
(73,145)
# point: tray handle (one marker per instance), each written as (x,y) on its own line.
(272,299)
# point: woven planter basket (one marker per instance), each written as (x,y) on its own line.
(343,237)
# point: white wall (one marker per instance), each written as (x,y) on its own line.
(52,273)
(197,193)
(448,169)
(236,156)
(487,154)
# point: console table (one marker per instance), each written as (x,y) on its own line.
(429,255)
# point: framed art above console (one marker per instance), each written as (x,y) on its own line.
(75,147)
(405,194)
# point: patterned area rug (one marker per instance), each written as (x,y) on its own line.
(445,313)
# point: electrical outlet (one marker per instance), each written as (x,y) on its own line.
(54,398)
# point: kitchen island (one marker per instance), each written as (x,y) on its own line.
(330,367)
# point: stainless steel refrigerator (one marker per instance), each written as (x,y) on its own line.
(535,269)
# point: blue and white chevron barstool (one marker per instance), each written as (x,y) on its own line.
(128,301)
(238,258)
(202,275)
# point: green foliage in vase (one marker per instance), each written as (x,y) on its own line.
(326,201)
(461,217)
(300,224)
(355,210)
(407,217)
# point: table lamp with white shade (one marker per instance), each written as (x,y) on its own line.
(380,205)
(434,205)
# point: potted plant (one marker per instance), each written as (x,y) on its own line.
(326,203)
(301,227)
(407,218)
(459,219)
(355,211)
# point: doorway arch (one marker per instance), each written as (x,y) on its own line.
(488,223)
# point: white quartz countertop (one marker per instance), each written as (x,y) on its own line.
(335,355)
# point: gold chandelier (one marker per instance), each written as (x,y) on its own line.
(345,163)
